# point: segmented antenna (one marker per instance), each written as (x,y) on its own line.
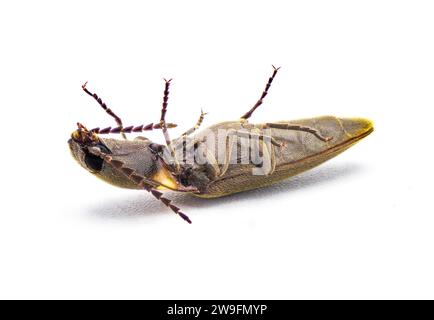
(121,129)
(148,185)
(159,195)
(131,129)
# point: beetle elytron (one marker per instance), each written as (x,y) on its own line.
(283,149)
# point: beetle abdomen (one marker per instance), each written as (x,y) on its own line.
(300,151)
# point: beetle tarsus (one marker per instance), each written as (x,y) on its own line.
(248,114)
(196,126)
(164,125)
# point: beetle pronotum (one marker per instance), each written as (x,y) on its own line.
(226,158)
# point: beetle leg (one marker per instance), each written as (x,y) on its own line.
(268,155)
(196,126)
(271,157)
(106,109)
(286,126)
(229,142)
(164,125)
(183,137)
(248,114)
(211,160)
(249,135)
(268,159)
(193,145)
(257,135)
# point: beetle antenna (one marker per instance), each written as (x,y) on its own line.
(159,195)
(104,106)
(131,129)
(148,185)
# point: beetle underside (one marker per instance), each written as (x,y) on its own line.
(223,159)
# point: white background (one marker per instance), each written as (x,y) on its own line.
(359,226)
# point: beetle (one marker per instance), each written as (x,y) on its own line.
(226,158)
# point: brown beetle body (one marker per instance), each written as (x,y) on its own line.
(223,159)
(300,151)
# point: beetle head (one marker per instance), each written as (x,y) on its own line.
(141,155)
(86,147)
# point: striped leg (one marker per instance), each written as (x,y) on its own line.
(248,114)
(106,109)
(196,126)
(287,126)
(268,156)
(164,125)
